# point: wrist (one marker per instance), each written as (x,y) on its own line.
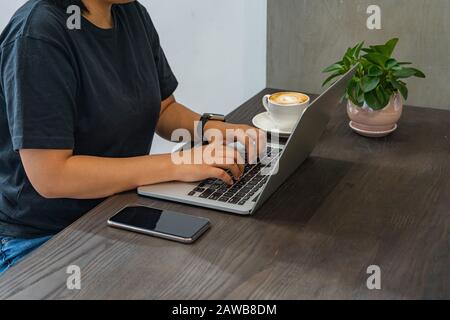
(208,122)
(159,168)
(173,169)
(214,124)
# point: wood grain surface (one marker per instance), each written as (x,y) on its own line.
(355,202)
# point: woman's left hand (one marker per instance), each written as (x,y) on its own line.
(254,140)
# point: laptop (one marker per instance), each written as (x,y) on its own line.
(260,180)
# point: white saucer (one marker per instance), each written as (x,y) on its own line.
(264,122)
(372,134)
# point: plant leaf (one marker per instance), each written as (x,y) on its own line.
(351,85)
(357,51)
(401,88)
(372,100)
(350,93)
(330,78)
(334,67)
(369,83)
(376,58)
(386,49)
(391,63)
(352,52)
(404,91)
(350,96)
(374,71)
(348,61)
(390,46)
(383,96)
(359,95)
(419,73)
(368,50)
(405,73)
(379,49)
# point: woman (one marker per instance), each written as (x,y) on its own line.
(78,112)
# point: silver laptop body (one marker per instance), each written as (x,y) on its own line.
(285,160)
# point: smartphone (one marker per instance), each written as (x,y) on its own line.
(160,223)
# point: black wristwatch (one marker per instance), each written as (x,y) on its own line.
(204,119)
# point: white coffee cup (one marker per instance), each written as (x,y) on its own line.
(285,108)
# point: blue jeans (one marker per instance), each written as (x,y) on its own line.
(12,250)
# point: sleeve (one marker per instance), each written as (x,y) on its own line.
(39,87)
(167,80)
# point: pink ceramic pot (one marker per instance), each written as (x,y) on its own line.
(384,120)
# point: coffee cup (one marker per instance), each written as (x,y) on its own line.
(285,108)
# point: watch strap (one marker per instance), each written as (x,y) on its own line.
(204,119)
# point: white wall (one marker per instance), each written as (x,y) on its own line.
(7,9)
(217,49)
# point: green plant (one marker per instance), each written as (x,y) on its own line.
(378,76)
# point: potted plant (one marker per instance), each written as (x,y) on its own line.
(375,92)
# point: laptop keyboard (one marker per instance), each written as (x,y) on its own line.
(253,179)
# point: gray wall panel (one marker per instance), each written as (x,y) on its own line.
(304,36)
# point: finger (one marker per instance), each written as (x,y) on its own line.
(241,169)
(262,142)
(251,150)
(259,138)
(245,140)
(234,168)
(235,171)
(238,157)
(241,137)
(233,156)
(240,162)
(220,156)
(221,174)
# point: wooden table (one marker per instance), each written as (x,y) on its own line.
(355,202)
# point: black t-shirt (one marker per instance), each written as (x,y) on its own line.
(92,90)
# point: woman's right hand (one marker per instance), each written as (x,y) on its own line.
(211,161)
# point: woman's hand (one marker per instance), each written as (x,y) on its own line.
(174,116)
(60,174)
(211,161)
(254,140)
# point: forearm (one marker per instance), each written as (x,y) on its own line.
(86,177)
(176,116)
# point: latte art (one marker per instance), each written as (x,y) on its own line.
(288,98)
(285,108)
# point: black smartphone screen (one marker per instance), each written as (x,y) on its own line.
(161,221)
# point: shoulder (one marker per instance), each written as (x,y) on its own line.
(132,8)
(137,12)
(36,19)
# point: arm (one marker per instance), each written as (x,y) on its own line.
(59,174)
(174,115)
